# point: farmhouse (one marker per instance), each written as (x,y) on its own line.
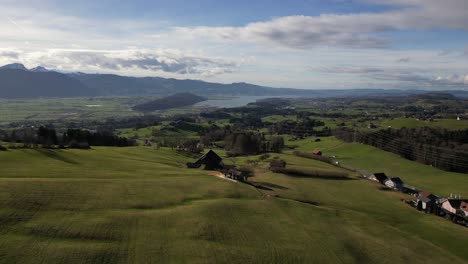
(211,160)
(394,183)
(426,201)
(454,206)
(317,152)
(378,177)
(235,174)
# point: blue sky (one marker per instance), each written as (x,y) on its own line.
(312,44)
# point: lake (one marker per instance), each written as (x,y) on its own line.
(230,102)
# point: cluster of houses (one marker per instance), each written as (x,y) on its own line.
(453,208)
(212,161)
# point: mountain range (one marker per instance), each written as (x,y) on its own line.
(16,81)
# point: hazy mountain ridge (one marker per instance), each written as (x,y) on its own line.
(16,81)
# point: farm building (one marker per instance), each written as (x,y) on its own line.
(317,152)
(235,174)
(464,207)
(394,183)
(211,160)
(426,201)
(454,206)
(379,177)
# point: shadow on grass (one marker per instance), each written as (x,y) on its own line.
(270,185)
(314,203)
(322,177)
(317,174)
(55,154)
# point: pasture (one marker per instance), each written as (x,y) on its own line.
(140,205)
(373,160)
(450,124)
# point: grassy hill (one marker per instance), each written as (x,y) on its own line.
(450,124)
(139,205)
(172,101)
(373,160)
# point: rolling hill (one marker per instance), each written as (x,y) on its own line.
(172,101)
(141,205)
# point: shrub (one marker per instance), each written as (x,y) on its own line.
(2,148)
(277,163)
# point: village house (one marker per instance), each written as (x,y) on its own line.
(378,177)
(235,174)
(426,201)
(394,183)
(454,206)
(317,152)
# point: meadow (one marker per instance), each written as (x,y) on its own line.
(373,160)
(141,205)
(450,124)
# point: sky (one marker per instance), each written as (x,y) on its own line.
(310,44)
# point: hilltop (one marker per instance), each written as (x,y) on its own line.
(173,101)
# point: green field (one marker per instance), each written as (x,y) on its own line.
(451,124)
(140,205)
(373,160)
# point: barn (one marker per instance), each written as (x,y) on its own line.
(211,160)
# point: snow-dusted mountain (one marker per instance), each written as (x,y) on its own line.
(14,66)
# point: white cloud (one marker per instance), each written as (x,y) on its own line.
(346,30)
(349,69)
(404,60)
(169,61)
(292,51)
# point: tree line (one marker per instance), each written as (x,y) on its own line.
(441,148)
(71,138)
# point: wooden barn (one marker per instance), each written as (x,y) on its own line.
(211,160)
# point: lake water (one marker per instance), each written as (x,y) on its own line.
(230,102)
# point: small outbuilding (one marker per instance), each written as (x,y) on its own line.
(317,152)
(378,177)
(234,174)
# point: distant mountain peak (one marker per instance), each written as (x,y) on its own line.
(39,69)
(14,66)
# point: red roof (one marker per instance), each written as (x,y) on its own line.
(316,151)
